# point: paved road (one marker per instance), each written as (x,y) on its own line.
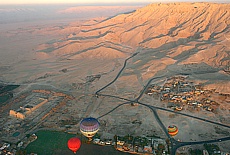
(146,86)
(119,73)
(113,109)
(174,144)
(164,109)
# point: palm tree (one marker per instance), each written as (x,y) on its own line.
(115,139)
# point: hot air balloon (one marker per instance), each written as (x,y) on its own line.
(74,144)
(173,130)
(89,127)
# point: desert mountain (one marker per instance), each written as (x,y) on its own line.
(175,38)
(101,68)
(189,32)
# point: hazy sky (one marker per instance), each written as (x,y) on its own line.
(90,1)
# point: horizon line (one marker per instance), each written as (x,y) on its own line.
(121,3)
(131,4)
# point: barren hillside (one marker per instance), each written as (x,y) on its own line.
(135,57)
(183,38)
(197,29)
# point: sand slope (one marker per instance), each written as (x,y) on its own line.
(171,38)
(80,58)
(184,33)
(190,32)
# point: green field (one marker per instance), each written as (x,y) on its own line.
(49,143)
(55,143)
(5,97)
(5,92)
(7,88)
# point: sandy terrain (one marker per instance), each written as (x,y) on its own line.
(166,34)
(171,39)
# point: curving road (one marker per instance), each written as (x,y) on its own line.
(164,109)
(119,73)
(174,144)
(146,86)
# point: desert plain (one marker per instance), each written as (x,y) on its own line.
(67,60)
